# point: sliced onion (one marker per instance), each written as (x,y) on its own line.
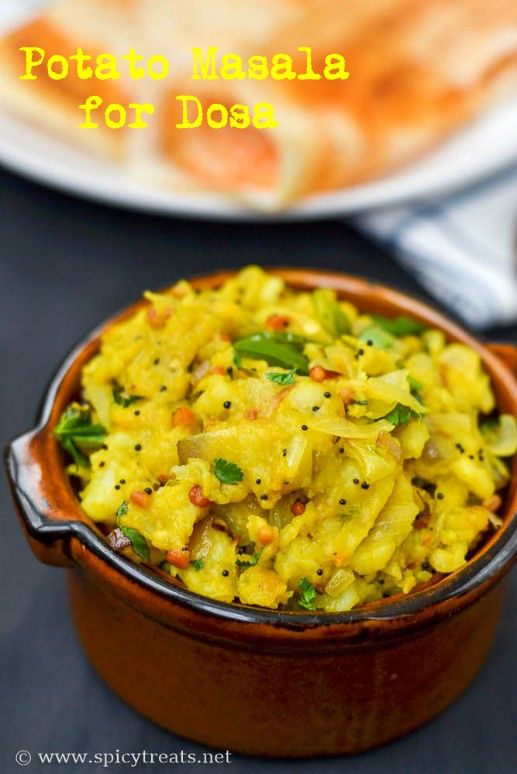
(200,371)
(387,443)
(502,441)
(117,540)
(340,581)
(346,429)
(199,543)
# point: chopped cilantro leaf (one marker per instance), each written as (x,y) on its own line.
(414,384)
(401,414)
(123,399)
(197,564)
(307,594)
(227,472)
(253,560)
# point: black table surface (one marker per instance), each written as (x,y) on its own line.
(67,264)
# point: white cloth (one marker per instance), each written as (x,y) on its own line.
(462,249)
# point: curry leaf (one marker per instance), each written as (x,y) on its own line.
(399,326)
(80,459)
(276,349)
(282,378)
(138,542)
(378,336)
(75,429)
(329,313)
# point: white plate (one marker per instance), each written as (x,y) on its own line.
(481,149)
(478,151)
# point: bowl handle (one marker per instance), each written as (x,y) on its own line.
(46,524)
(507,353)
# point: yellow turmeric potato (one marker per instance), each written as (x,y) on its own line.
(260,586)
(284,449)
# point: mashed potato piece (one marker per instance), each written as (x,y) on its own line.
(282,449)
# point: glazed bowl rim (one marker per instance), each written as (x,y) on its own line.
(484,568)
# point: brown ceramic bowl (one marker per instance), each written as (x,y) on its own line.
(257,681)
